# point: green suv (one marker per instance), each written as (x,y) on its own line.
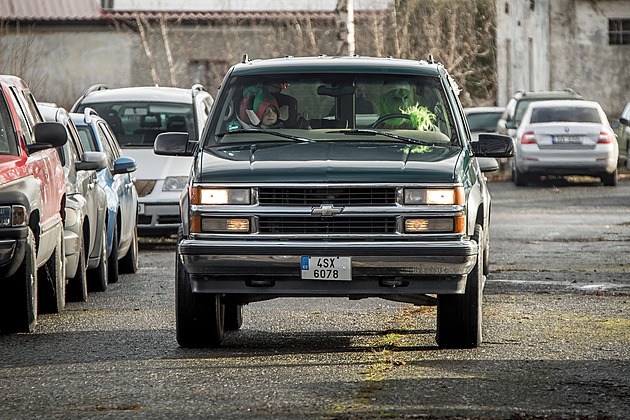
(334,176)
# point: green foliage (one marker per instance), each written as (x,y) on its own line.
(421,118)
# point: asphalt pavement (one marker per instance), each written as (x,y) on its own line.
(556,337)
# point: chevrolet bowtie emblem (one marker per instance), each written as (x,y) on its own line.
(326,210)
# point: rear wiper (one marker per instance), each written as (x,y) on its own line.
(271,132)
(381,133)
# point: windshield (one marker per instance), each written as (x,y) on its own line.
(137,124)
(316,107)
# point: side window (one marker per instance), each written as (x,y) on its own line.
(32,106)
(8,145)
(112,144)
(108,150)
(73,138)
(26,127)
(87,139)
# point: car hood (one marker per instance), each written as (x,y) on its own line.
(152,166)
(328,162)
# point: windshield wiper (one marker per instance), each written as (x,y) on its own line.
(271,132)
(382,133)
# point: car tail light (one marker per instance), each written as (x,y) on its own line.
(604,138)
(528,138)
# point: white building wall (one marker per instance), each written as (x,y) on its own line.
(597,70)
(563,44)
(62,64)
(522,47)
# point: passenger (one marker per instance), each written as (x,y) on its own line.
(265,111)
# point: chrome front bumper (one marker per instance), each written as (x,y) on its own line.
(264,267)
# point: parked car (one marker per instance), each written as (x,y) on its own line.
(122,199)
(364,183)
(623,135)
(484,119)
(86,204)
(137,115)
(32,210)
(565,138)
(518,103)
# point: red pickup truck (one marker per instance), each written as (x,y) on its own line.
(32,210)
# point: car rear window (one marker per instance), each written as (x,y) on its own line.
(565,114)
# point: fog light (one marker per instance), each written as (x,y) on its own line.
(225,225)
(429,225)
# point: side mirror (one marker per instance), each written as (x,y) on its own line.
(124,165)
(624,121)
(494,145)
(172,144)
(48,134)
(92,161)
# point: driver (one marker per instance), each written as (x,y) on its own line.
(395,97)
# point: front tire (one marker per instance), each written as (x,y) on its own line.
(199,317)
(459,317)
(77,286)
(610,180)
(98,276)
(112,262)
(233,316)
(18,294)
(129,263)
(52,281)
(521,179)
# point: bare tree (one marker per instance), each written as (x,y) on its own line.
(345,27)
(19,55)
(169,55)
(458,33)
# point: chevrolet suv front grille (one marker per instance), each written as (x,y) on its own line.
(327,225)
(316,196)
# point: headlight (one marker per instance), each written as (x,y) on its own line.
(13,216)
(217,196)
(174,183)
(434,196)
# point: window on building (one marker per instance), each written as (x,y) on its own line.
(619,31)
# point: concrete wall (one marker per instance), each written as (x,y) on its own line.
(59,64)
(598,71)
(560,44)
(522,47)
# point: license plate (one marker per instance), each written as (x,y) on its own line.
(140,208)
(326,268)
(567,140)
